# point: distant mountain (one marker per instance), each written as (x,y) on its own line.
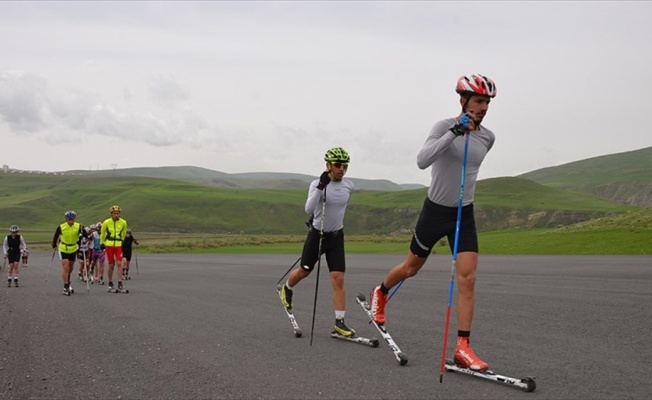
(625,178)
(257,180)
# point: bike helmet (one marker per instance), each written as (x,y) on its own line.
(93,226)
(13,228)
(337,154)
(70,215)
(114,208)
(129,231)
(476,84)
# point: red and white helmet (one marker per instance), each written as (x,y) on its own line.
(476,84)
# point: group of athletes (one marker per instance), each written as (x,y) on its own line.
(109,242)
(91,247)
(91,255)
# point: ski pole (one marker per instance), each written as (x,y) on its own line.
(457,237)
(50,267)
(288,271)
(395,289)
(321,238)
(4,263)
(136,258)
(399,284)
(88,281)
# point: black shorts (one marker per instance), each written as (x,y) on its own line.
(332,245)
(68,256)
(436,221)
(13,256)
(126,254)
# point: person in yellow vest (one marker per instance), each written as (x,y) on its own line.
(112,234)
(66,237)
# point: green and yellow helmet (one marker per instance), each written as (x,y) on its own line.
(337,154)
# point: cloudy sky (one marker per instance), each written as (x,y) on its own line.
(269,86)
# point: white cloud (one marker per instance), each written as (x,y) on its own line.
(251,86)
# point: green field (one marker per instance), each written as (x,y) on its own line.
(514,215)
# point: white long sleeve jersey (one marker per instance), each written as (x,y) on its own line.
(444,152)
(338,194)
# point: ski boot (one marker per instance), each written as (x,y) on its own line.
(16,282)
(342,329)
(286,296)
(66,291)
(466,358)
(8,282)
(378,299)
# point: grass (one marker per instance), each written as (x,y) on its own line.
(176,217)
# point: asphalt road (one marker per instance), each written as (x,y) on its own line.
(212,327)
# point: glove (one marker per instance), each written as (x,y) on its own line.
(324,180)
(462,125)
(102,246)
(54,245)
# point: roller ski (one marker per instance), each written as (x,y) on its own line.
(286,301)
(526,384)
(67,291)
(341,331)
(371,342)
(119,289)
(401,358)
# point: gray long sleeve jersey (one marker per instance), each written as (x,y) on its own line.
(337,198)
(445,153)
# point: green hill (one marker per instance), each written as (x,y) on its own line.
(623,177)
(254,180)
(161,205)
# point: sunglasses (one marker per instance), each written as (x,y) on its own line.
(340,165)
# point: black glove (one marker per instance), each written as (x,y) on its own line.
(102,246)
(324,180)
(462,125)
(54,245)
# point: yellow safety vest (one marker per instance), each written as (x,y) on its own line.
(69,237)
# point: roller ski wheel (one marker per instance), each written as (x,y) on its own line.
(66,292)
(529,383)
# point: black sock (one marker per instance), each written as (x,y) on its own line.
(384,288)
(465,334)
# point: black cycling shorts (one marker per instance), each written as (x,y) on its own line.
(68,256)
(13,256)
(437,221)
(332,246)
